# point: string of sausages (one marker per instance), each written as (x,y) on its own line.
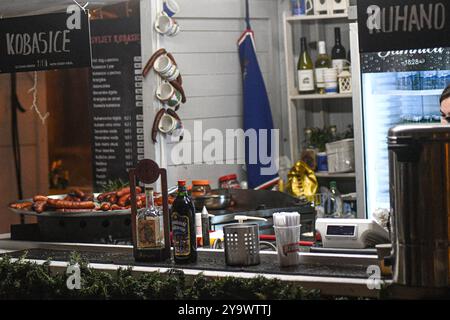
(78,201)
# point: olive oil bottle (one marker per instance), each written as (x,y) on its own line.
(182,216)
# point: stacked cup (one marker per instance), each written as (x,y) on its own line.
(287,232)
(169,95)
(165,24)
(166,68)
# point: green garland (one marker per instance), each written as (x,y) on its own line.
(23,279)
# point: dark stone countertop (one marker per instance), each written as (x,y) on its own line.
(207,261)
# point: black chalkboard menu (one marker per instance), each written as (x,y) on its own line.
(116,98)
(45,42)
(385,25)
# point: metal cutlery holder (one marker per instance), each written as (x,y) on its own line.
(241,244)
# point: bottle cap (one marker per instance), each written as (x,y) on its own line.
(228,177)
(181,183)
(200,182)
(333,184)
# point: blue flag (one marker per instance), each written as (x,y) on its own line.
(260,149)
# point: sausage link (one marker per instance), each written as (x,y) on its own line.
(103,196)
(67,210)
(127,190)
(21,205)
(115,207)
(106,206)
(112,199)
(65,204)
(39,206)
(37,198)
(123,200)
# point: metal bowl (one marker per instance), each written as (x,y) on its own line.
(216,200)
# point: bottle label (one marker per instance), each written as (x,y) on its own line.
(181,235)
(305,80)
(148,233)
(339,65)
(320,77)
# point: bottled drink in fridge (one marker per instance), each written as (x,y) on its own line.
(182,217)
(338,53)
(305,70)
(334,205)
(323,63)
(429,80)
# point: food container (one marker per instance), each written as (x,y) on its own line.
(341,156)
(229,182)
(200,188)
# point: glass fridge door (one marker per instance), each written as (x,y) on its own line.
(397,88)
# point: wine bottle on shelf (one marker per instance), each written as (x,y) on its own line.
(323,62)
(338,54)
(305,70)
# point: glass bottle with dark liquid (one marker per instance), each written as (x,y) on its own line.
(150,241)
(182,216)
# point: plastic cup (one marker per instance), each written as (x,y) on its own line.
(288,245)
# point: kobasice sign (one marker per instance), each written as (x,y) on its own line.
(386,25)
(45,42)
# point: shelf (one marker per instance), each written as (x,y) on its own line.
(321,96)
(317,17)
(348,175)
(436,92)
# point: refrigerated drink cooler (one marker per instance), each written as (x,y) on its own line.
(391,88)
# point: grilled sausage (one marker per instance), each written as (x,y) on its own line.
(37,198)
(67,210)
(123,200)
(127,190)
(65,204)
(21,205)
(105,206)
(103,196)
(112,199)
(78,193)
(116,207)
(39,206)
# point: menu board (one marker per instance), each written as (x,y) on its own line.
(116,99)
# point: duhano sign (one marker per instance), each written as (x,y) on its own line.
(45,42)
(386,25)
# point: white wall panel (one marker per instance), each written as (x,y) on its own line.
(207,53)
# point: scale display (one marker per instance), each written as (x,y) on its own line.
(336,230)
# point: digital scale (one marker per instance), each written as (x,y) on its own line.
(351,233)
